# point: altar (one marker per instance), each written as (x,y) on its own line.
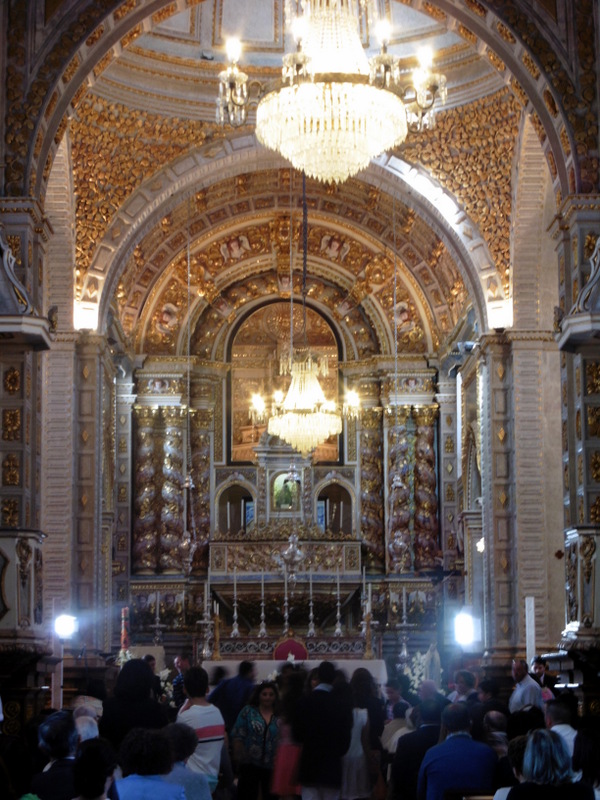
(266,669)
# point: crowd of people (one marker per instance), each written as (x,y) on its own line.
(318,735)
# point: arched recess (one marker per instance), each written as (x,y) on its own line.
(235,502)
(329,511)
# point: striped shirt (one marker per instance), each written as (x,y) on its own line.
(207,722)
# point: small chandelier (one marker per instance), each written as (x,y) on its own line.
(334,110)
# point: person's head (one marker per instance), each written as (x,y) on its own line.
(247,670)
(392,690)
(326,672)
(195,682)
(151,661)
(538,665)
(312,680)
(455,718)
(93,768)
(516,752)
(495,722)
(519,669)
(182,740)
(265,694)
(87,728)
(57,735)
(134,681)
(427,690)
(522,722)
(181,662)
(487,689)
(546,760)
(145,752)
(464,681)
(218,674)
(363,687)
(429,712)
(557,713)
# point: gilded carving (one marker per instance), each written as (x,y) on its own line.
(592,376)
(595,512)
(401,477)
(449,444)
(578,423)
(10,513)
(593,421)
(587,548)
(11,424)
(12,380)
(595,467)
(10,470)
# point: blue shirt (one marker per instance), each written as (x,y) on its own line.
(143,787)
(457,763)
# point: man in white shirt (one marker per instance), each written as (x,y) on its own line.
(527,692)
(558,719)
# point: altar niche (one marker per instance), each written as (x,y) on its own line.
(236,510)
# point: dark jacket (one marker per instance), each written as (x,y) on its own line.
(410,751)
(56,783)
(119,716)
(323,726)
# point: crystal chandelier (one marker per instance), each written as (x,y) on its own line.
(305,418)
(334,109)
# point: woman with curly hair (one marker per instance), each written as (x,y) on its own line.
(254,739)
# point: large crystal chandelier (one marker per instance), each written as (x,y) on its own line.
(334,109)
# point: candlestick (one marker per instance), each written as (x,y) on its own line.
(369,599)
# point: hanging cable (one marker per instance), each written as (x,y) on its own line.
(395,303)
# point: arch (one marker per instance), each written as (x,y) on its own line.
(90,39)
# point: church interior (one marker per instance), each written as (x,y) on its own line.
(171,281)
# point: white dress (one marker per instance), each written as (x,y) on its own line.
(355,772)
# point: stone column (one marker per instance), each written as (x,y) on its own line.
(449,446)
(94,486)
(497,486)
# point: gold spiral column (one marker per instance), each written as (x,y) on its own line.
(426,526)
(371,485)
(399,538)
(145,546)
(171,505)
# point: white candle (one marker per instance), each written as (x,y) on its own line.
(341,514)
(310,583)
(338,583)
(364,582)
(216,608)
(285,581)
(262,585)
(369,600)
(404,602)
(228,516)
(157,607)
(530,628)
(206,600)
(234,583)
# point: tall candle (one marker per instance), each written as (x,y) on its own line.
(310,583)
(338,583)
(364,582)
(157,607)
(228,516)
(404,602)
(262,585)
(341,514)
(285,581)
(369,600)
